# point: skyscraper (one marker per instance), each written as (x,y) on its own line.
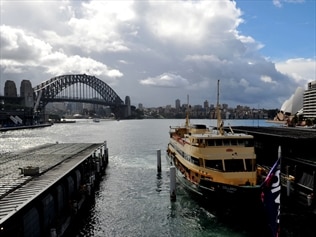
(178,104)
(309,100)
(128,105)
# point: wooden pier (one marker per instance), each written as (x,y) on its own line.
(298,173)
(20,127)
(43,189)
(295,142)
(298,162)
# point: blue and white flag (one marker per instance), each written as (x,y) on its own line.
(270,196)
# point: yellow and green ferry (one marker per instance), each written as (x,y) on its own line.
(217,164)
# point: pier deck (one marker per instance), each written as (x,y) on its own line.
(50,163)
(298,167)
(296,142)
(287,132)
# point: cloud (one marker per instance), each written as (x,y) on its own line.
(301,70)
(101,22)
(267,79)
(17,45)
(166,80)
(145,48)
(20,52)
(278,3)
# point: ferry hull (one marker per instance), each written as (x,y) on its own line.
(219,194)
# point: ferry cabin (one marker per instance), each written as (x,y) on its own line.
(229,159)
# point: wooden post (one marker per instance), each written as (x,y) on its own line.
(288,186)
(173,183)
(159,161)
(53,232)
(314,186)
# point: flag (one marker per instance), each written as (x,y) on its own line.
(270,196)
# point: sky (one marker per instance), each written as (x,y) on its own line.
(157,51)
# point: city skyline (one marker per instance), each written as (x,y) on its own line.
(12,90)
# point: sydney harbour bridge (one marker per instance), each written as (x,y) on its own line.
(77,88)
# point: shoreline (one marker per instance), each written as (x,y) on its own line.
(4,129)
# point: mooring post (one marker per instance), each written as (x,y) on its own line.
(309,200)
(173,196)
(288,181)
(53,232)
(159,161)
(288,187)
(106,154)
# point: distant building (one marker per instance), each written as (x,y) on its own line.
(206,105)
(301,102)
(26,92)
(140,106)
(197,107)
(128,106)
(309,100)
(294,104)
(10,89)
(178,105)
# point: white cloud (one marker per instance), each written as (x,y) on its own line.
(278,3)
(78,65)
(166,80)
(20,50)
(17,45)
(183,46)
(267,79)
(302,70)
(102,25)
(194,24)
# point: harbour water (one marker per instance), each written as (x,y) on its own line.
(133,200)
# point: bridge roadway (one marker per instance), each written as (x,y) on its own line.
(26,176)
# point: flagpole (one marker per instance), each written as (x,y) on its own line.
(280,164)
(271,196)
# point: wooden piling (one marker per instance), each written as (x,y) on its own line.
(173,183)
(159,161)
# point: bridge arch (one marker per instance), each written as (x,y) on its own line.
(48,90)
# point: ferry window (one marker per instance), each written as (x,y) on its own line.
(250,164)
(195,161)
(214,164)
(226,142)
(210,142)
(248,142)
(234,165)
(245,142)
(218,142)
(234,142)
(201,142)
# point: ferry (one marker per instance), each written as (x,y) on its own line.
(96,120)
(216,164)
